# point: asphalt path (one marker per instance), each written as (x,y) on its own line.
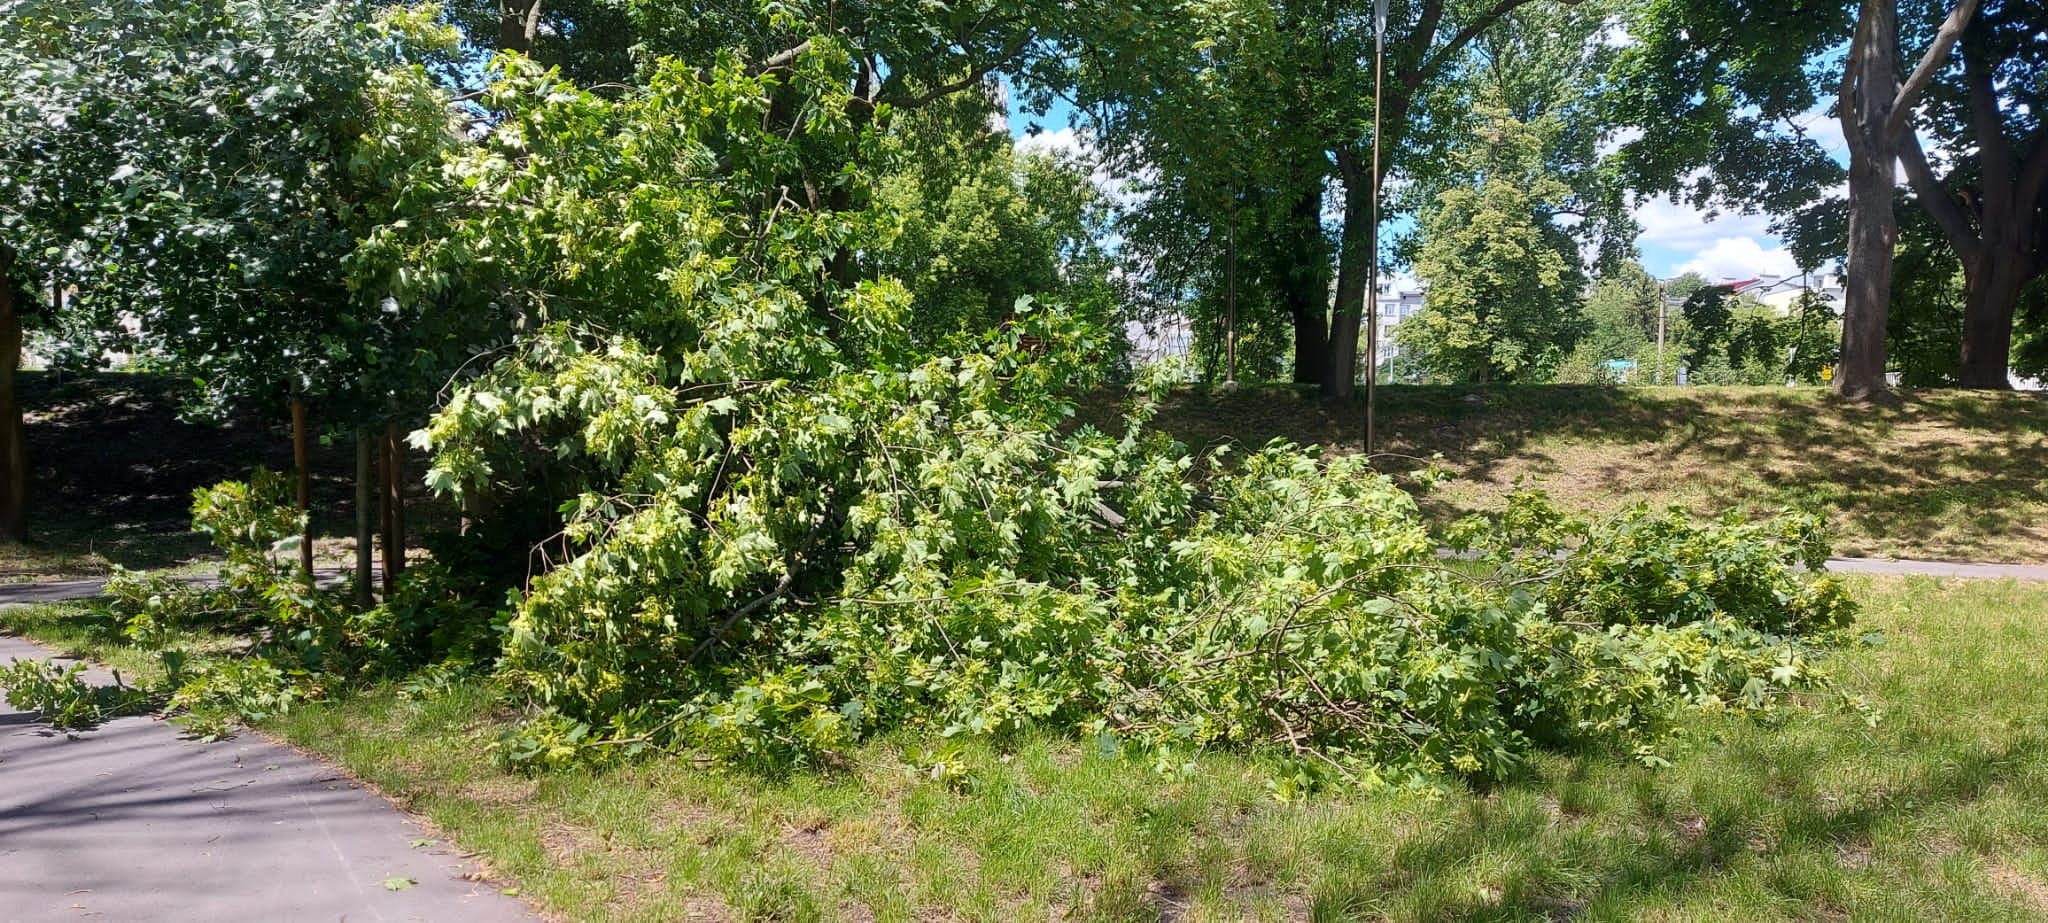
(132,821)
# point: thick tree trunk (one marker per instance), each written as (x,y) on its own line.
(1992,294)
(1866,108)
(1300,259)
(1311,341)
(365,532)
(1995,228)
(518,23)
(1876,110)
(1354,275)
(13,452)
(1867,280)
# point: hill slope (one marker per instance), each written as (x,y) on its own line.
(1944,475)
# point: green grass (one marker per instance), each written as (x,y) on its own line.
(1946,475)
(1933,814)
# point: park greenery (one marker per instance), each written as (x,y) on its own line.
(767,402)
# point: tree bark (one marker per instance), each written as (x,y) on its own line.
(303,474)
(394,508)
(365,533)
(1876,108)
(518,23)
(1868,83)
(1991,294)
(13,451)
(1300,259)
(1997,233)
(1356,267)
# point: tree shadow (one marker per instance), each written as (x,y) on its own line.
(1569,867)
(113,465)
(1954,474)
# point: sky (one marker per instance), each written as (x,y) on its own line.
(1676,238)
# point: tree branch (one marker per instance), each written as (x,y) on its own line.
(1845,100)
(1935,200)
(1478,26)
(2032,185)
(1994,153)
(1930,63)
(974,76)
(781,59)
(781,587)
(1425,26)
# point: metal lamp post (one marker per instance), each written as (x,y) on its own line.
(1372,289)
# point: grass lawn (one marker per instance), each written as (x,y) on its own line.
(1934,814)
(1946,475)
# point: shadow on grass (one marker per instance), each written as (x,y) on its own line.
(1789,848)
(112,468)
(1933,473)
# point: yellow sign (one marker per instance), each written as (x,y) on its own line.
(1827,373)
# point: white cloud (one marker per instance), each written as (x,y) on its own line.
(1077,146)
(1678,238)
(1739,258)
(1066,142)
(1681,227)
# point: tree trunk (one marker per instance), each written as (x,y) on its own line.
(1994,228)
(1311,342)
(1304,273)
(1866,281)
(1991,295)
(365,533)
(1876,109)
(394,509)
(1355,265)
(303,474)
(13,451)
(1867,91)
(518,23)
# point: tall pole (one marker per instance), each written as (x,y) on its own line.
(1372,289)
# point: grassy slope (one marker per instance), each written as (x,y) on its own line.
(1933,814)
(1944,475)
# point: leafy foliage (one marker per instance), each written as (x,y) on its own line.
(1504,281)
(783,521)
(62,696)
(204,168)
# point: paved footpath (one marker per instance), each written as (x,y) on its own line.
(133,822)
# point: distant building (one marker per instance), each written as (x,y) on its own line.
(1396,305)
(1781,293)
